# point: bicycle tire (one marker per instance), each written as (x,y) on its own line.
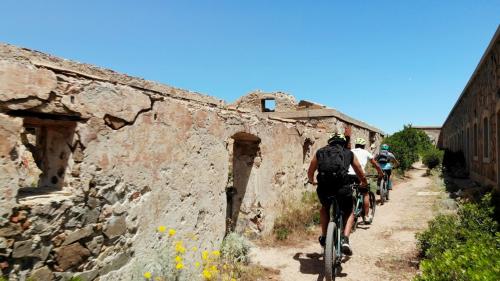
(373,204)
(330,254)
(382,191)
(387,195)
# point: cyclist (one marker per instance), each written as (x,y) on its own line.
(363,157)
(385,159)
(334,182)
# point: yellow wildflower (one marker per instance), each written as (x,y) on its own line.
(204,255)
(171,232)
(158,279)
(147,275)
(194,249)
(216,253)
(207,275)
(224,266)
(214,269)
(233,279)
(197,264)
(178,259)
(179,247)
(161,229)
(179,266)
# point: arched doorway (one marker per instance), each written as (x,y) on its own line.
(245,150)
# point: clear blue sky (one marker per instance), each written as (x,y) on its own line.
(388,63)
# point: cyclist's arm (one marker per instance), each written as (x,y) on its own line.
(377,167)
(312,168)
(359,171)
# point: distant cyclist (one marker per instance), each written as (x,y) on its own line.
(385,159)
(363,157)
(332,163)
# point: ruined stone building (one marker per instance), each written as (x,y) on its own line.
(92,162)
(473,125)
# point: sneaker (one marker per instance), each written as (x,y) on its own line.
(346,248)
(367,219)
(322,241)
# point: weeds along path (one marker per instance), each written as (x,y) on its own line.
(385,250)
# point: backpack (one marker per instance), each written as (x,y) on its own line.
(383,157)
(333,165)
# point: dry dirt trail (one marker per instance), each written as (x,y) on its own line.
(385,250)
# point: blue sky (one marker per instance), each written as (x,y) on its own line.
(388,63)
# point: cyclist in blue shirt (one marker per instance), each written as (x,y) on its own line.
(385,160)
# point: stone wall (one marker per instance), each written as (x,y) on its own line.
(432,132)
(93,161)
(473,126)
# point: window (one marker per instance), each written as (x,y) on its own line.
(486,139)
(474,141)
(45,153)
(268,105)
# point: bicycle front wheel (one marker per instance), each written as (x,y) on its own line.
(330,254)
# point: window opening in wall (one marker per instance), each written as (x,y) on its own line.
(45,153)
(373,137)
(486,139)
(475,141)
(498,146)
(306,150)
(268,105)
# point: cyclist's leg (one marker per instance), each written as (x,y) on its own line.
(324,213)
(345,204)
(366,201)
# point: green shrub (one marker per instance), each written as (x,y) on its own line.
(432,158)
(459,247)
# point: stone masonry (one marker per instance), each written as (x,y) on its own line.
(473,125)
(92,162)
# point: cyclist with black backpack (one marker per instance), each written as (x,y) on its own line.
(332,163)
(385,159)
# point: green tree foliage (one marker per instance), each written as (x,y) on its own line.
(409,145)
(460,247)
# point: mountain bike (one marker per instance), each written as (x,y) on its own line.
(359,210)
(333,248)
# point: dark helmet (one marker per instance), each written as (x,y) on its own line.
(337,138)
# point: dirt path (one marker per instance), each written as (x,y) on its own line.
(385,250)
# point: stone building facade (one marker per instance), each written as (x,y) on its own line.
(92,162)
(473,126)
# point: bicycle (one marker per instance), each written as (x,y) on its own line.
(359,209)
(384,191)
(333,248)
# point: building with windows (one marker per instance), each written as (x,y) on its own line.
(473,125)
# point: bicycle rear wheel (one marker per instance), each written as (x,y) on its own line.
(330,253)
(383,190)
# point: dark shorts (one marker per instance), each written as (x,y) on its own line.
(388,172)
(343,195)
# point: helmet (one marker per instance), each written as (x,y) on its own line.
(337,138)
(360,141)
(384,147)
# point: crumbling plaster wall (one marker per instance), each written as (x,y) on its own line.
(142,155)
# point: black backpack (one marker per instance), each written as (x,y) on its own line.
(383,157)
(333,165)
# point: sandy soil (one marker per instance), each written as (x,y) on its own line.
(385,250)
